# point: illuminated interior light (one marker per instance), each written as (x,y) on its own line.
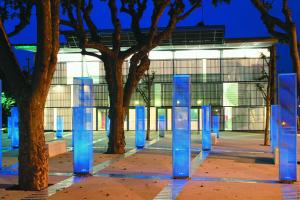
(58,88)
(199,102)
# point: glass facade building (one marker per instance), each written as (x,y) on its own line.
(223,75)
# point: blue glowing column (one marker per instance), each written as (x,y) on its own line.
(162,125)
(9,126)
(107,126)
(140,133)
(206,128)
(83,126)
(59,127)
(181,139)
(15,127)
(288,127)
(216,129)
(274,126)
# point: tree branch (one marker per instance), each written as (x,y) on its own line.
(25,14)
(84,52)
(9,65)
(90,24)
(117,26)
(269,20)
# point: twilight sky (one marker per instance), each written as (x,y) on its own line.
(240,19)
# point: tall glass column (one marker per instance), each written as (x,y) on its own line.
(181,139)
(274,124)
(9,126)
(140,133)
(216,121)
(83,125)
(107,124)
(59,127)
(161,125)
(287,90)
(15,127)
(206,128)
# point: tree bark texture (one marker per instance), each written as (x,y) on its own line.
(149,84)
(33,155)
(294,52)
(270,97)
(148,122)
(267,132)
(113,68)
(30,91)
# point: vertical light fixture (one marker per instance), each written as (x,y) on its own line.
(216,129)
(274,124)
(83,126)
(206,128)
(107,126)
(9,126)
(287,85)
(14,127)
(140,134)
(161,125)
(181,127)
(59,127)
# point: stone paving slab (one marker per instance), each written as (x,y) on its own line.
(8,181)
(195,190)
(112,189)
(64,163)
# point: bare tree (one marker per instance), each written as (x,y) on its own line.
(283,29)
(267,93)
(144,88)
(30,90)
(78,14)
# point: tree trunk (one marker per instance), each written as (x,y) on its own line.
(148,122)
(272,75)
(33,155)
(148,107)
(267,133)
(294,53)
(113,68)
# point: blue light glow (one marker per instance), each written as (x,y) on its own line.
(181,139)
(83,126)
(59,127)
(287,99)
(140,133)
(216,129)
(9,125)
(274,126)
(161,125)
(206,128)
(14,127)
(107,126)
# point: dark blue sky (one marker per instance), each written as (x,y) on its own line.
(240,18)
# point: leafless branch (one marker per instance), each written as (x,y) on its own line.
(117,26)
(25,14)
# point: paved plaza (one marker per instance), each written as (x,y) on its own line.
(238,167)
